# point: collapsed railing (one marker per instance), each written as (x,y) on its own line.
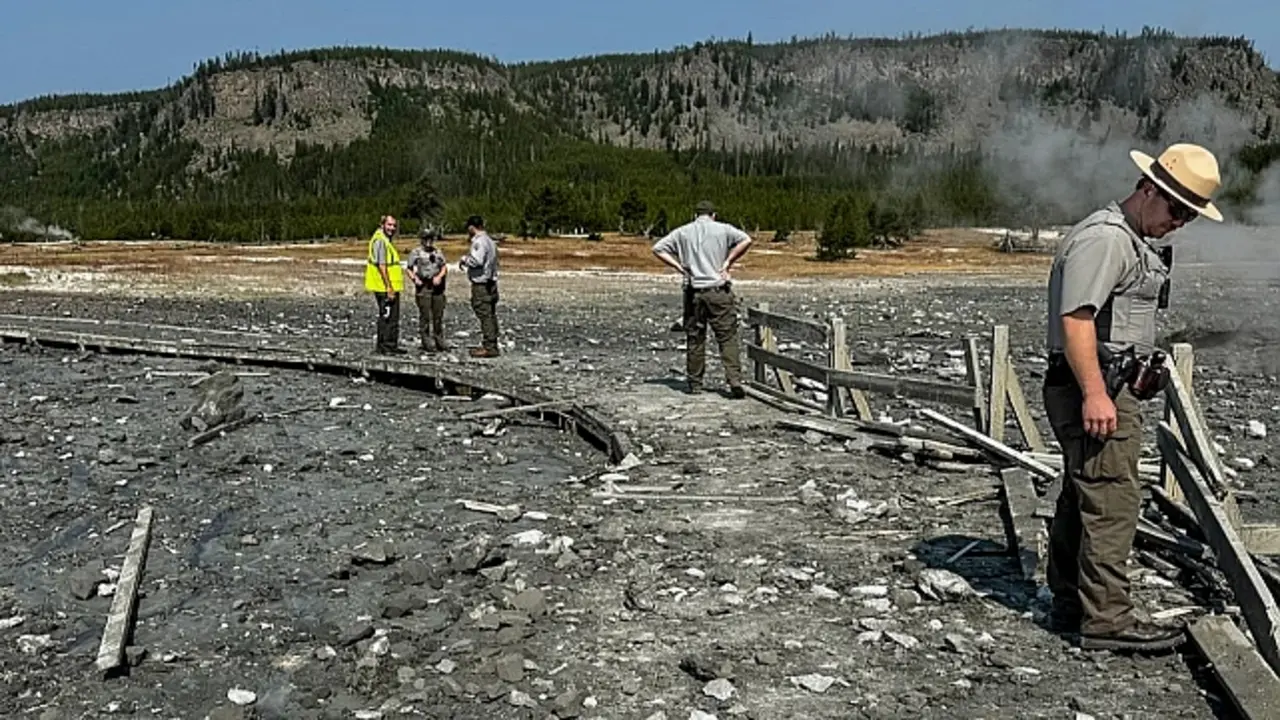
(1190,523)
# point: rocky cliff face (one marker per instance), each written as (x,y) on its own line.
(941,92)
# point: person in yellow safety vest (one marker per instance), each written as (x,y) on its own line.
(384,278)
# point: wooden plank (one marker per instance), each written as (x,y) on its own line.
(794,401)
(994,446)
(1261,538)
(785,380)
(799,329)
(214,433)
(1252,686)
(1148,470)
(973,374)
(1026,537)
(999,377)
(847,431)
(1194,435)
(1021,411)
(119,628)
(929,390)
(790,365)
(1183,364)
(515,410)
(1250,590)
(857,397)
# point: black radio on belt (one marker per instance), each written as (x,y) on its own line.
(1146,376)
(1166,257)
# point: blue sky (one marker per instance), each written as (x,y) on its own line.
(61,46)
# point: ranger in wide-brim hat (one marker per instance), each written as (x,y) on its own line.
(1187,172)
(1105,287)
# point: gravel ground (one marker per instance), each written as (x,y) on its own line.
(320,561)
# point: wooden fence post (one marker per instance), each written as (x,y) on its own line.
(973,373)
(999,378)
(838,350)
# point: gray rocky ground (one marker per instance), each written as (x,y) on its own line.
(320,561)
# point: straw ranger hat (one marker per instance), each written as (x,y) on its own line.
(1187,172)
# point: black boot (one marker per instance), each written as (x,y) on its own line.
(1140,637)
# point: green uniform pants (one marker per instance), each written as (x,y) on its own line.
(1097,513)
(718,308)
(431,319)
(484,302)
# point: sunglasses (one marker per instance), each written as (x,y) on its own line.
(1178,210)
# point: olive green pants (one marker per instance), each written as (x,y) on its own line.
(1097,513)
(484,303)
(718,308)
(431,320)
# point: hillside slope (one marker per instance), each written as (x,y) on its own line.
(350,129)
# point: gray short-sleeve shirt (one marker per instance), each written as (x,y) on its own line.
(702,246)
(1100,258)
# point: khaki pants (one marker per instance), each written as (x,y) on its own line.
(431,320)
(1097,513)
(484,302)
(718,308)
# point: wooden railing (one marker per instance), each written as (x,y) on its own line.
(846,388)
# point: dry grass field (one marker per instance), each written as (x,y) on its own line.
(939,251)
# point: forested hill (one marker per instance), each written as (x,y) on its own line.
(319,143)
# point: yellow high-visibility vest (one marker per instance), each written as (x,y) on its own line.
(373,278)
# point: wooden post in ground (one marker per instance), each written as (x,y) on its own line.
(838,348)
(758,368)
(1183,364)
(999,377)
(973,373)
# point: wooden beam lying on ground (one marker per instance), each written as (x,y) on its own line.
(848,431)
(1252,686)
(802,329)
(119,628)
(1024,534)
(993,446)
(516,410)
(1251,592)
(772,396)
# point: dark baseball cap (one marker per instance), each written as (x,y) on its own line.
(706,207)
(475,221)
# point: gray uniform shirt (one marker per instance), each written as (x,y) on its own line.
(701,247)
(1102,263)
(482,261)
(427,264)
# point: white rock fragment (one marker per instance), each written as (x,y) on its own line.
(1257,430)
(813,682)
(529,538)
(871,590)
(446,666)
(719,689)
(942,585)
(822,592)
(907,641)
(242,697)
(1243,463)
(32,644)
(12,622)
(699,715)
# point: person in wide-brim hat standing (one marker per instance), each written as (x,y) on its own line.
(1105,286)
